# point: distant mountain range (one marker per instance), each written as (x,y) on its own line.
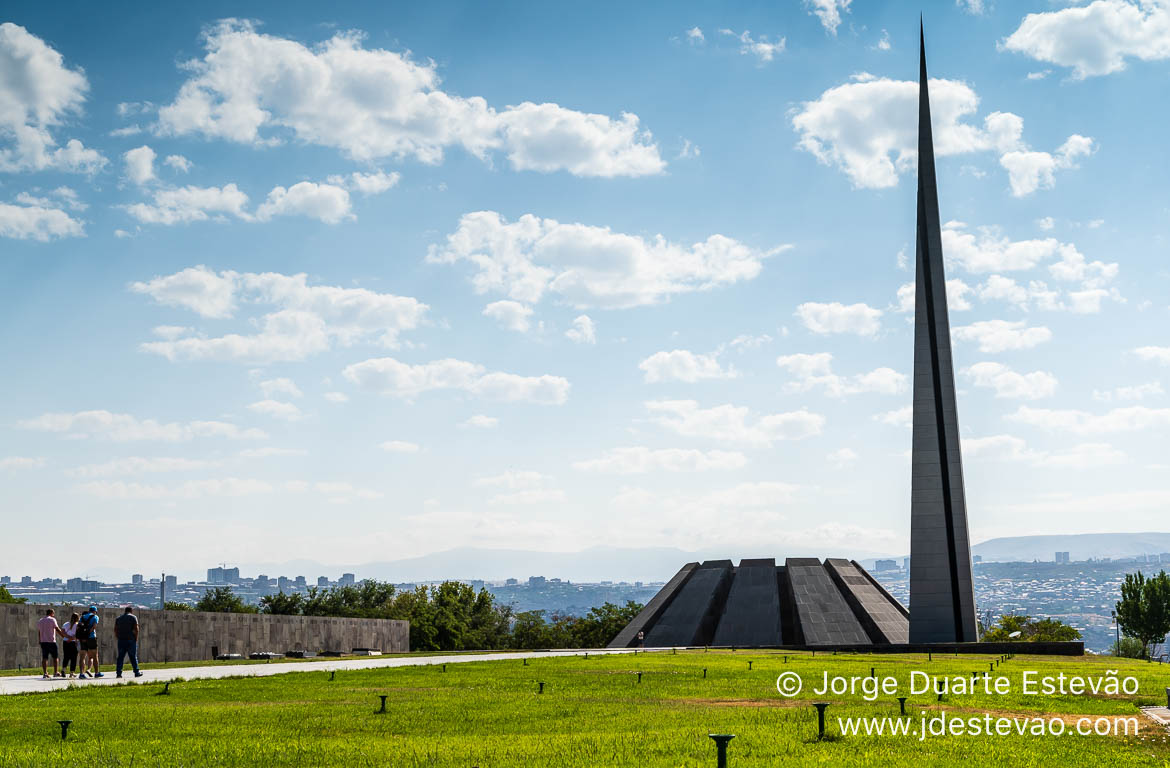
(648,564)
(1080,546)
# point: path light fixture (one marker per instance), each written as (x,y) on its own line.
(902,705)
(639,677)
(64,728)
(541,689)
(821,706)
(721,740)
(382,711)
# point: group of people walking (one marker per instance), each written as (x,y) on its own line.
(79,643)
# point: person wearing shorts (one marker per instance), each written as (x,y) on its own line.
(47,631)
(89,643)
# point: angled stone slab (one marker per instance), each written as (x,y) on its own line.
(648,615)
(882,618)
(692,615)
(752,614)
(825,618)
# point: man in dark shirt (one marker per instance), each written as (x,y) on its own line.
(126,630)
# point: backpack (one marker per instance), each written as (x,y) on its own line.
(87,625)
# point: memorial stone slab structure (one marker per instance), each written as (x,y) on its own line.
(836,603)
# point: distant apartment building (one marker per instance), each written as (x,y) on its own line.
(6,580)
(322,581)
(885,565)
(284,584)
(1062,558)
(906,564)
(223,575)
(536,581)
(136,579)
(300,582)
(977,559)
(346,580)
(172,583)
(508,583)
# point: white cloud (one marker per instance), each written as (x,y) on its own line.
(829,12)
(1134,392)
(1046,223)
(480,421)
(1129,419)
(1095,39)
(276,409)
(1029,170)
(835,317)
(746,341)
(957,291)
(683,365)
(22,462)
(367,183)
(139,465)
(307,319)
(178,162)
(763,50)
(122,427)
(511,315)
(583,331)
(35,222)
(388,376)
(590,266)
(988,251)
(271,450)
(373,103)
(842,458)
(733,424)
(323,202)
(340,492)
(810,371)
(695,36)
(399,446)
(512,480)
(973,7)
(193,489)
(900,417)
(883,44)
(336,397)
(182,205)
(39,93)
(1010,384)
(139,164)
(1154,354)
(282,386)
(867,128)
(638,460)
(1011,448)
(534,496)
(1002,335)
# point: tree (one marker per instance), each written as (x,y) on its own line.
(1031,630)
(602,624)
(1130,648)
(171,605)
(6,596)
(1143,612)
(281,604)
(223,600)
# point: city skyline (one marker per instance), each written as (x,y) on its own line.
(450,281)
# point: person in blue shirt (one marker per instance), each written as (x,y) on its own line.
(87,635)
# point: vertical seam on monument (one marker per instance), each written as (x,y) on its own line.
(936,376)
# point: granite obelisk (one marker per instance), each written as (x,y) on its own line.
(942,595)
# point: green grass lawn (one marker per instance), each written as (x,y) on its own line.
(593,712)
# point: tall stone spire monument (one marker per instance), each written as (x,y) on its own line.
(942,594)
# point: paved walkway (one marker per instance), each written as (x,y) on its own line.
(34,683)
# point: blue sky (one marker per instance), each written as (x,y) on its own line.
(377,282)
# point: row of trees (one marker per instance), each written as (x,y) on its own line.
(449,617)
(1143,612)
